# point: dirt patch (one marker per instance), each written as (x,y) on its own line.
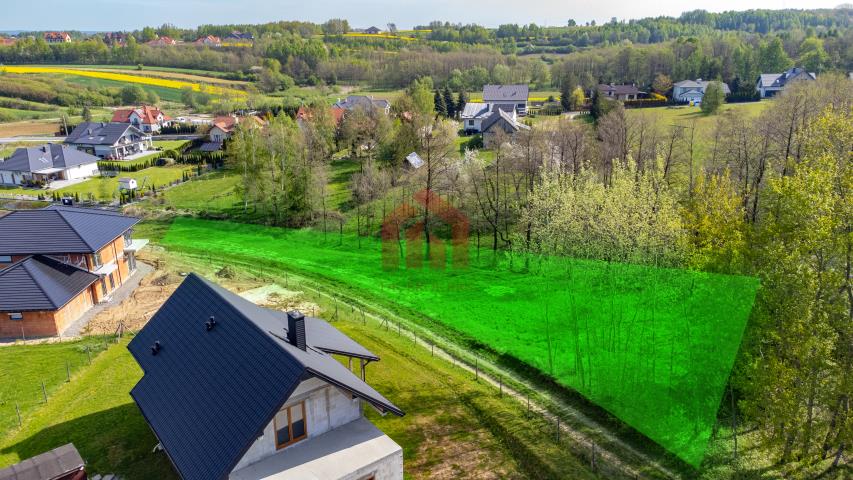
(450,451)
(18,129)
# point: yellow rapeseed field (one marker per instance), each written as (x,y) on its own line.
(127,78)
(379,35)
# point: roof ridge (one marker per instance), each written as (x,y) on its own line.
(59,212)
(52,302)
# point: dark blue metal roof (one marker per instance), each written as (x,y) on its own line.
(60,230)
(208,395)
(40,283)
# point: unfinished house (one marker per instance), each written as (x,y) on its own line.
(235,391)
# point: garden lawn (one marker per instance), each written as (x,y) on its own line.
(96,414)
(213,192)
(652,346)
(106,188)
(23,368)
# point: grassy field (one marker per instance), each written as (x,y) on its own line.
(658,343)
(214,192)
(23,368)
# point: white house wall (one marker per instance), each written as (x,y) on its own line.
(326,408)
(82,171)
(10,178)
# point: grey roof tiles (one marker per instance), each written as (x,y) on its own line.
(46,157)
(60,230)
(41,283)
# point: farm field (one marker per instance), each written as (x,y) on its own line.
(635,340)
(123,78)
(23,369)
(157,73)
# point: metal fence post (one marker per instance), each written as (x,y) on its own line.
(89,354)
(476,369)
(18,411)
(67,371)
(501,382)
(44,391)
(558,429)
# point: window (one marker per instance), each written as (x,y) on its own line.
(128,237)
(290,426)
(112,282)
(103,286)
(5,259)
(471,122)
(16,316)
(96,260)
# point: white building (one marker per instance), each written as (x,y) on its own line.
(258,393)
(45,164)
(692,91)
(146,118)
(475,115)
(109,140)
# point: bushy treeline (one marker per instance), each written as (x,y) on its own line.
(54,91)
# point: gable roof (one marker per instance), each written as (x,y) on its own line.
(94,133)
(60,230)
(506,93)
(50,156)
(207,395)
(49,465)
(701,85)
(474,110)
(41,283)
(354,101)
(147,114)
(228,123)
(625,89)
(499,115)
(779,80)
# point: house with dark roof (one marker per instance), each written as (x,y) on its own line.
(41,297)
(500,124)
(99,242)
(692,91)
(109,140)
(39,166)
(373,30)
(62,463)
(769,84)
(363,101)
(507,95)
(238,37)
(620,92)
(475,113)
(147,118)
(235,391)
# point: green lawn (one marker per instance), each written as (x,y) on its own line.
(171,144)
(658,347)
(23,368)
(105,188)
(168,94)
(214,192)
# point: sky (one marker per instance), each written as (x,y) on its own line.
(104,15)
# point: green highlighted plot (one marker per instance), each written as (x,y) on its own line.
(653,346)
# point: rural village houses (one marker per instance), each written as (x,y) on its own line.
(258,392)
(225,125)
(692,91)
(146,118)
(57,37)
(57,262)
(109,140)
(363,101)
(500,109)
(769,84)
(47,163)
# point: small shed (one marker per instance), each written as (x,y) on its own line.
(63,463)
(373,31)
(414,161)
(127,183)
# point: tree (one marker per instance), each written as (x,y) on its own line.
(392,28)
(461,101)
(566,96)
(440,106)
(152,98)
(600,105)
(772,57)
(437,149)
(335,26)
(713,98)
(662,84)
(132,95)
(420,91)
(449,103)
(813,57)
(577,99)
(86,114)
